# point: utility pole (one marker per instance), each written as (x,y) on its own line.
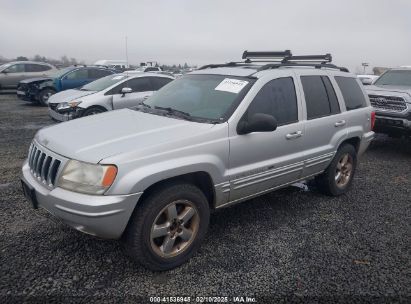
(365,64)
(127,53)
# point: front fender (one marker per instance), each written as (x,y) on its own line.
(139,179)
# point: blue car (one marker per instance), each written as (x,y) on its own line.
(40,89)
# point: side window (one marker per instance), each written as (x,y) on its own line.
(15,68)
(159,82)
(141,84)
(352,93)
(36,67)
(151,70)
(320,96)
(276,98)
(77,74)
(98,73)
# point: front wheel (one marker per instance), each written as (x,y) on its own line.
(93,111)
(44,96)
(168,227)
(337,178)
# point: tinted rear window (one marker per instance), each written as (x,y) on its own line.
(320,97)
(352,93)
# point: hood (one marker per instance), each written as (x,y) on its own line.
(388,89)
(68,95)
(38,79)
(96,137)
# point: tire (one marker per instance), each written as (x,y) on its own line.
(93,111)
(44,96)
(147,239)
(337,178)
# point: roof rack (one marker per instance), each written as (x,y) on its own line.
(267,55)
(279,59)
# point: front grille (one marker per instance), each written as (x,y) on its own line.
(44,167)
(388,103)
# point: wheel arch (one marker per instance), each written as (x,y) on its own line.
(355,141)
(200,179)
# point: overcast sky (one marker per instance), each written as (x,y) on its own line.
(207,31)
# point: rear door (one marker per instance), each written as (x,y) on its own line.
(141,89)
(262,161)
(36,70)
(325,121)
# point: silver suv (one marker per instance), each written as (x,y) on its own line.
(215,137)
(391,97)
(13,72)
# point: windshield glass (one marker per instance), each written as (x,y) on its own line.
(202,96)
(4,66)
(61,72)
(103,83)
(395,77)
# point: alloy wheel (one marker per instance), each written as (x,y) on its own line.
(344,170)
(174,229)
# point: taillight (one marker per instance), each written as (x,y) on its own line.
(372,120)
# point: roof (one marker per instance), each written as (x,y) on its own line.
(144,74)
(28,61)
(256,62)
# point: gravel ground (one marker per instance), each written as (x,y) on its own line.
(293,244)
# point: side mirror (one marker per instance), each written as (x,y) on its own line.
(125,91)
(366,81)
(4,71)
(259,122)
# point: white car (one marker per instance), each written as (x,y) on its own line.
(367,79)
(112,92)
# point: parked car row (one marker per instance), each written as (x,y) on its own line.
(112,92)
(215,137)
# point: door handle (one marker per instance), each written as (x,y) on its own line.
(340,123)
(294,135)
(145,97)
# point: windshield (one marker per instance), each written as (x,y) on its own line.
(4,66)
(103,83)
(61,72)
(201,96)
(395,77)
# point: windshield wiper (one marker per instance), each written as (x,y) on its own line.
(144,105)
(174,111)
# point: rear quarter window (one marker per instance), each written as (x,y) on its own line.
(352,93)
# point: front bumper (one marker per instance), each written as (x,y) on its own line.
(24,95)
(365,142)
(392,124)
(105,216)
(68,115)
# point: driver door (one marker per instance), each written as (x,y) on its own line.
(262,161)
(141,90)
(13,75)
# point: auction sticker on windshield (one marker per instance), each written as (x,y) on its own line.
(231,85)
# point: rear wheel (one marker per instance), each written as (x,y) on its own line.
(168,227)
(44,96)
(337,178)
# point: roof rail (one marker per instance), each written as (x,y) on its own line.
(292,64)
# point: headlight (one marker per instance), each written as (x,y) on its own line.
(68,105)
(87,178)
